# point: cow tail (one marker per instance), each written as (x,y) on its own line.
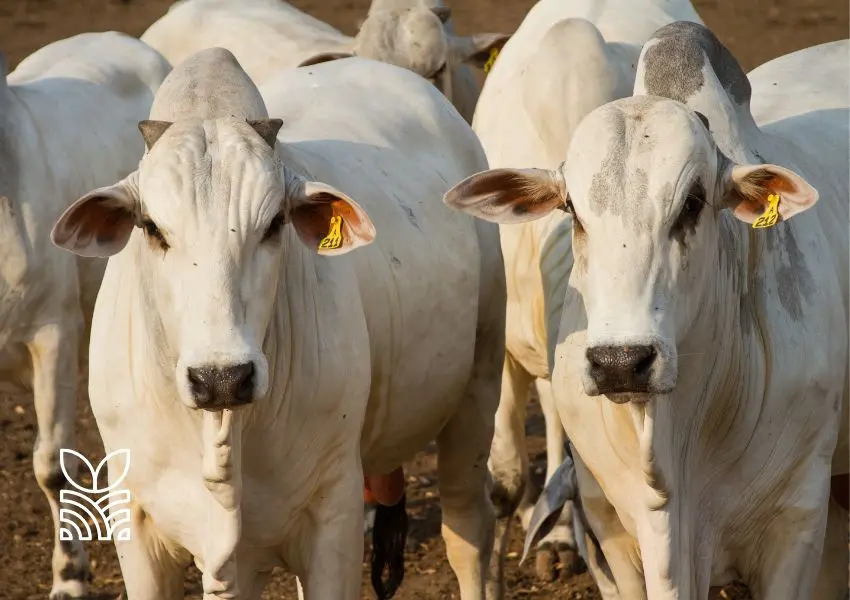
(389,535)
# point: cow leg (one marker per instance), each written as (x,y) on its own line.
(251,582)
(468,515)
(508,462)
(151,569)
(832,577)
(788,555)
(590,549)
(330,548)
(559,545)
(617,566)
(53,349)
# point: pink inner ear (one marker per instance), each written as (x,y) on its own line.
(754,185)
(312,222)
(100,219)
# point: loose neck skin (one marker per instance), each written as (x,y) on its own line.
(693,431)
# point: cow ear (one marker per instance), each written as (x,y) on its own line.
(756,191)
(509,195)
(444,13)
(328,220)
(100,223)
(324,57)
(479,49)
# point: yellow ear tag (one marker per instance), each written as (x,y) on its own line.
(494,52)
(771,214)
(333,240)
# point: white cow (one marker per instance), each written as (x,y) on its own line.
(252,371)
(564,60)
(67,116)
(269,35)
(700,364)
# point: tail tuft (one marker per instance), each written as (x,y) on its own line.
(388,539)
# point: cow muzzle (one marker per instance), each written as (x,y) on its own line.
(625,371)
(216,387)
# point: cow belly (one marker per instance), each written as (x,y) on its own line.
(403,421)
(414,396)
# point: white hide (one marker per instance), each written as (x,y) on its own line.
(364,357)
(68,118)
(715,462)
(267,36)
(564,60)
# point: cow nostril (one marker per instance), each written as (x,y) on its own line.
(245,385)
(196,380)
(644,365)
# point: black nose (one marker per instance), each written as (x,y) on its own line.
(215,388)
(617,369)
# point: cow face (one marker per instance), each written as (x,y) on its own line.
(647,188)
(206,218)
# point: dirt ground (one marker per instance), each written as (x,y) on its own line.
(755,31)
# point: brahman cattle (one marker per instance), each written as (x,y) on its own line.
(289,305)
(701,352)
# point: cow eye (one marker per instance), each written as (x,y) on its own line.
(691,209)
(154,234)
(274,228)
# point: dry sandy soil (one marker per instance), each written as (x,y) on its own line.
(755,31)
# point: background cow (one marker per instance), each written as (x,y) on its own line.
(67,117)
(269,35)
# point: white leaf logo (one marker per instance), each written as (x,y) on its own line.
(79,510)
(94,472)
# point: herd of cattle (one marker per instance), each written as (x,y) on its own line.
(327,251)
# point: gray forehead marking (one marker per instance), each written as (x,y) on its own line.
(674,63)
(608,179)
(613,188)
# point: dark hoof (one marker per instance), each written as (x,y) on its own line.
(545,563)
(562,562)
(570,562)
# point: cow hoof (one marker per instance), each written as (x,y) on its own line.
(570,562)
(66,596)
(545,563)
(69,590)
(559,561)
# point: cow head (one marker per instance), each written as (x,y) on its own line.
(207,218)
(416,39)
(649,193)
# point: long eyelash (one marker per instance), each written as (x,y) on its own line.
(153,232)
